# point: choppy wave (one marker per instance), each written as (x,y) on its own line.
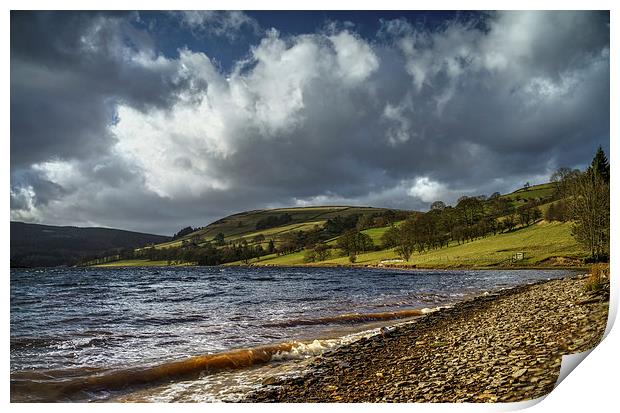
(349,318)
(58,385)
(25,342)
(78,383)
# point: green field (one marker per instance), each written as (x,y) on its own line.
(541,243)
(276,231)
(376,233)
(534,192)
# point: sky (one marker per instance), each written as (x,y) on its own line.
(153,121)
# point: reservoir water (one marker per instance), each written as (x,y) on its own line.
(207,333)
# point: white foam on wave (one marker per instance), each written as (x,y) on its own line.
(435,309)
(234,385)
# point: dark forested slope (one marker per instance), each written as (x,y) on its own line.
(34,245)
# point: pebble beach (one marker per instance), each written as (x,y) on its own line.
(501,347)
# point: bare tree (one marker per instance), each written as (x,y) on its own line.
(322,252)
(562,179)
(589,208)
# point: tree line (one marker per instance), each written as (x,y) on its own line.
(473,217)
(579,197)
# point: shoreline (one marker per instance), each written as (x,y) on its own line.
(580,267)
(500,347)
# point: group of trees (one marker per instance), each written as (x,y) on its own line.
(470,219)
(183,232)
(353,242)
(557,211)
(589,207)
(273,221)
(582,198)
(348,228)
(294,241)
(320,252)
(203,254)
(339,224)
(359,222)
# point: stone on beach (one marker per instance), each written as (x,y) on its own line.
(501,347)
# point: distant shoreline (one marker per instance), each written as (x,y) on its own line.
(394,267)
(135,264)
(414,267)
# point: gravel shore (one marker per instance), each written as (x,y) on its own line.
(501,347)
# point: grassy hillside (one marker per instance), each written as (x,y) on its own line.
(534,192)
(242,226)
(541,243)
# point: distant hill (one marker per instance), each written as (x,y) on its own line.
(34,245)
(535,192)
(268,229)
(247,225)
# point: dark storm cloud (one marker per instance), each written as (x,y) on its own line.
(496,124)
(68,71)
(126,137)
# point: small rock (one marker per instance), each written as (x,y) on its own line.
(271,381)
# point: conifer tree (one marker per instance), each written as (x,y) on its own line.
(600,165)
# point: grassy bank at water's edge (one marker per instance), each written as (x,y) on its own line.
(542,244)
